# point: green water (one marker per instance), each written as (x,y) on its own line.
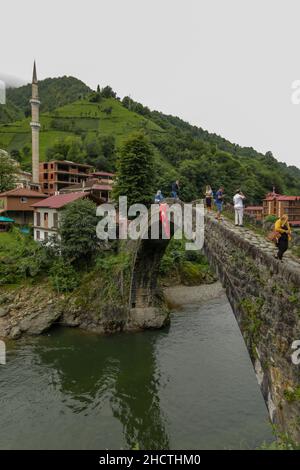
(188,386)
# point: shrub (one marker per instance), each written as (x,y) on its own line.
(78,231)
(63,276)
(271,219)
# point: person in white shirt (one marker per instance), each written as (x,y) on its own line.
(238,201)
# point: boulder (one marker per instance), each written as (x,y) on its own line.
(39,322)
(3,311)
(15,333)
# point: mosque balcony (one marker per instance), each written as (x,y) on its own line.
(34,101)
(35,124)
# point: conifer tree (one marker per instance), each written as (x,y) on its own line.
(135,171)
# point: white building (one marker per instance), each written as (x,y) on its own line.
(47,214)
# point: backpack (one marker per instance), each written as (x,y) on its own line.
(273,237)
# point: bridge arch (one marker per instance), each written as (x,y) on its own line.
(144,289)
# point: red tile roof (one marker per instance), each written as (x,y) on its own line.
(61,200)
(19,192)
(289,198)
(281,197)
(271,196)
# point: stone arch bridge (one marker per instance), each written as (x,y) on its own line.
(265,298)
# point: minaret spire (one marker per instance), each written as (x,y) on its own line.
(34,76)
(35,128)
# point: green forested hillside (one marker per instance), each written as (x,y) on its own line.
(81,125)
(53,92)
(10,113)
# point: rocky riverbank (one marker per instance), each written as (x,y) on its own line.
(33,310)
(178,296)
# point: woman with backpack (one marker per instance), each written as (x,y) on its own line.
(283,229)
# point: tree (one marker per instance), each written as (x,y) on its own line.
(16,155)
(135,170)
(8,170)
(108,92)
(108,110)
(69,148)
(26,151)
(78,231)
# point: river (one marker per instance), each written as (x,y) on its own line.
(188,386)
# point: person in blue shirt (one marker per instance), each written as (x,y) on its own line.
(158,197)
(219,201)
(175,189)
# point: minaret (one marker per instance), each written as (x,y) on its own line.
(35,127)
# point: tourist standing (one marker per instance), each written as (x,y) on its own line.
(283,228)
(158,197)
(219,201)
(175,189)
(238,201)
(208,197)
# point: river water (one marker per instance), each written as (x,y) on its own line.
(190,386)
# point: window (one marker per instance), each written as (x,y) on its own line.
(55,219)
(46,219)
(23,199)
(46,236)
(38,220)
(38,235)
(45,166)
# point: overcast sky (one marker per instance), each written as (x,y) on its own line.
(225,65)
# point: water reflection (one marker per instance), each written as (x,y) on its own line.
(189,387)
(122,368)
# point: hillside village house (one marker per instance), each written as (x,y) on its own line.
(277,204)
(17,204)
(98,186)
(103,177)
(101,192)
(56,174)
(47,214)
(257,212)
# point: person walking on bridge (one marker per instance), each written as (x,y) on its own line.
(283,228)
(238,201)
(208,197)
(219,202)
(175,189)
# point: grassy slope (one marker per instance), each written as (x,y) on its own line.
(8,242)
(86,116)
